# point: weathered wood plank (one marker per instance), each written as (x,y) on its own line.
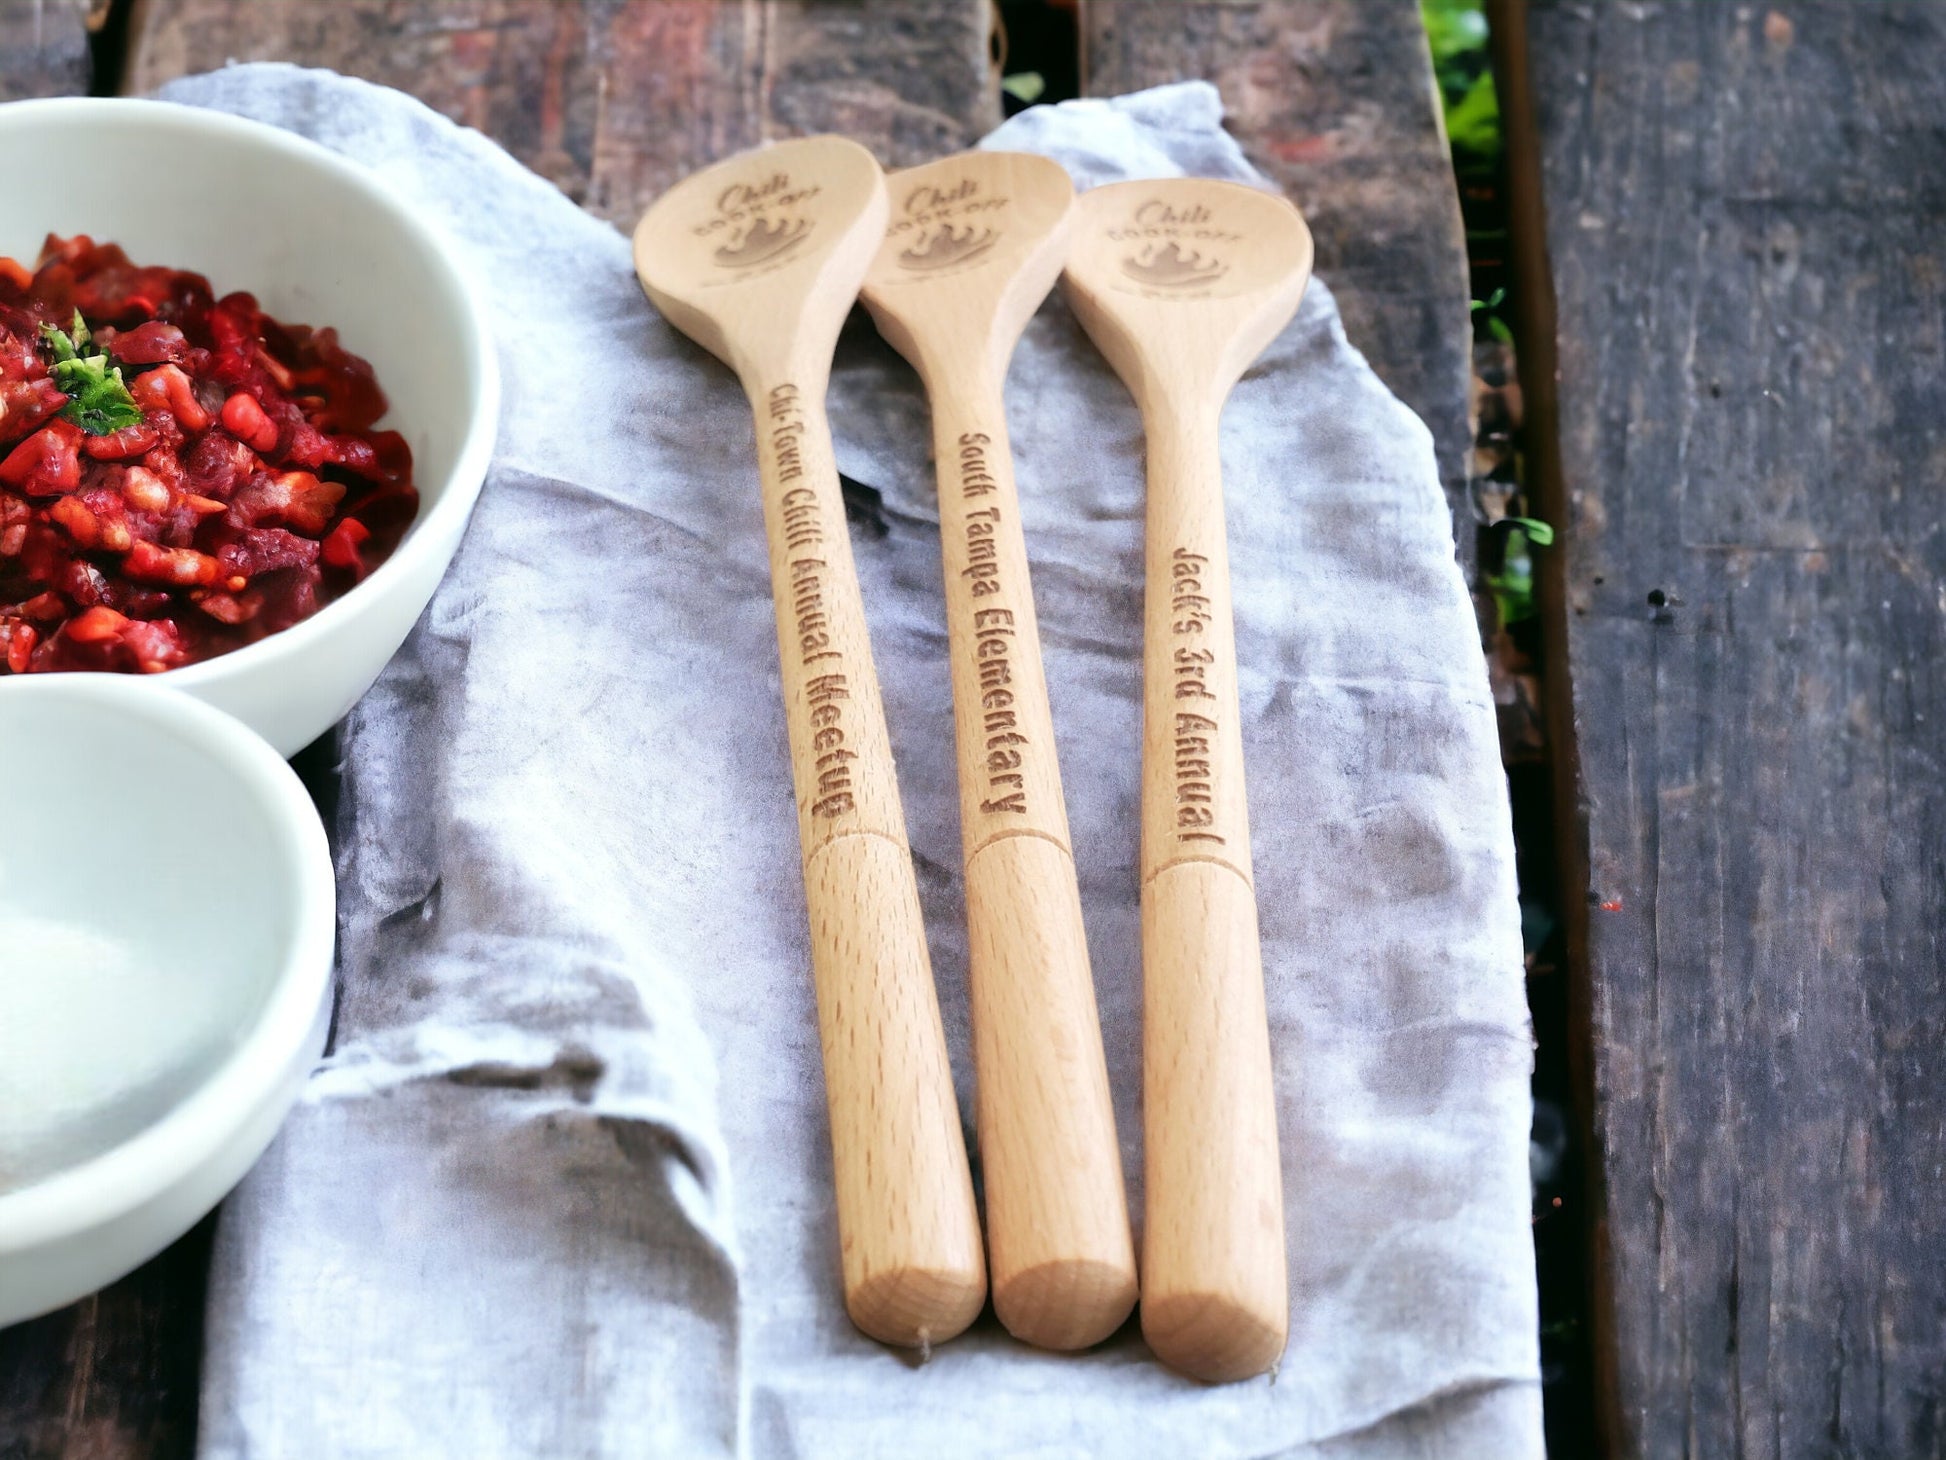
(1334,99)
(1743,209)
(521,71)
(1582,1412)
(614,102)
(44,48)
(115,1376)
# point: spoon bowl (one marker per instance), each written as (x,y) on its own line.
(1182,282)
(972,245)
(757,258)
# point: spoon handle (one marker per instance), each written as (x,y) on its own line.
(908,1229)
(1214,1301)
(1057,1211)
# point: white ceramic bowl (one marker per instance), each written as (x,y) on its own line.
(319,241)
(167,915)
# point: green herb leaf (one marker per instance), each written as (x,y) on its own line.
(100,403)
(69,343)
(1473,121)
(1538,532)
(1513,592)
(98,398)
(1456,30)
(1025,87)
(1513,586)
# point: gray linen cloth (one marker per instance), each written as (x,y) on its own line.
(562,1186)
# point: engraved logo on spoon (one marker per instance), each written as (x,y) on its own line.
(1173,250)
(947,245)
(1171,267)
(946,225)
(762,241)
(759,223)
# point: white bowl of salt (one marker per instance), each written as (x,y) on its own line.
(167,915)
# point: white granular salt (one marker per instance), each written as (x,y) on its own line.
(96,1041)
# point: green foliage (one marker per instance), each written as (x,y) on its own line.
(1513,586)
(1486,312)
(1456,31)
(1025,87)
(1537,531)
(1473,122)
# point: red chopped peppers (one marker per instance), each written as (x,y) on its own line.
(251,490)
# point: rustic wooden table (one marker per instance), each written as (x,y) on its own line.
(1743,213)
(612,102)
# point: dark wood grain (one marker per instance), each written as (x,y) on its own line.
(1594,1425)
(113,1377)
(1743,212)
(44,48)
(614,102)
(518,70)
(1334,99)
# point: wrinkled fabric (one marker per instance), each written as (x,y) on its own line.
(562,1186)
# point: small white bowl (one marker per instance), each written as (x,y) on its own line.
(167,916)
(319,241)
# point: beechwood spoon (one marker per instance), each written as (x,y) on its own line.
(1182,283)
(758,259)
(973,246)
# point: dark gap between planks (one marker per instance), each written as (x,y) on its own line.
(109,25)
(1581,1397)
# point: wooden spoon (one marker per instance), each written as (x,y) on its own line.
(975,243)
(1182,283)
(758,259)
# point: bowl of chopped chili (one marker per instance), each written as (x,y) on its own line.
(247,400)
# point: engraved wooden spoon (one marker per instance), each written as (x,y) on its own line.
(975,242)
(1182,283)
(758,259)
